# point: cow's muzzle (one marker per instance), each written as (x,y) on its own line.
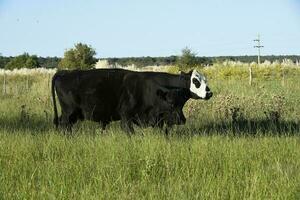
(208,95)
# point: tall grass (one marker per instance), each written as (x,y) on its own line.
(114,166)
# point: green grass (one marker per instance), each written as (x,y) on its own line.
(114,166)
(216,155)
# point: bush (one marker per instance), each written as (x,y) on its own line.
(80,57)
(23,61)
(187,60)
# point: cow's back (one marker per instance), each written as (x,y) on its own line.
(96,92)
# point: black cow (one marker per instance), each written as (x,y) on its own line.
(143,98)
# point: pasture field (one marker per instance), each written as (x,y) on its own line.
(242,144)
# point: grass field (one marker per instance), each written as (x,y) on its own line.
(242,144)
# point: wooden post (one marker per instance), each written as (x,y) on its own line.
(250,75)
(27,82)
(283,77)
(4,84)
(49,80)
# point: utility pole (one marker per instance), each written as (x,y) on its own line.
(258,46)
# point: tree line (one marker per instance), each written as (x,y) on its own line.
(82,56)
(28,61)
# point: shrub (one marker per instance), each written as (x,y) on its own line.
(80,57)
(23,61)
(187,60)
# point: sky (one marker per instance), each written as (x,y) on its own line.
(123,28)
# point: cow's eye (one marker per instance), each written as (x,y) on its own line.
(196,82)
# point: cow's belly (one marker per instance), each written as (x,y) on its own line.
(100,112)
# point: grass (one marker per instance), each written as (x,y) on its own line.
(114,166)
(232,147)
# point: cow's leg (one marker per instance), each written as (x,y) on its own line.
(167,131)
(126,111)
(73,118)
(69,112)
(69,118)
(103,125)
(127,120)
(164,128)
(127,125)
(64,122)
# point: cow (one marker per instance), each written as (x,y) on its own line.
(164,108)
(168,110)
(142,98)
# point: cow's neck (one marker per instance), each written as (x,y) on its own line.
(186,95)
(177,82)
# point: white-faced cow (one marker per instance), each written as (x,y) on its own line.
(142,98)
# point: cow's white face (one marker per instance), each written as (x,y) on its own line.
(199,86)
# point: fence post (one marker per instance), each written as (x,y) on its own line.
(250,74)
(27,82)
(283,77)
(4,84)
(49,80)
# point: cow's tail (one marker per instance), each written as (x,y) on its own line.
(55,120)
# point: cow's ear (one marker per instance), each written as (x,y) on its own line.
(190,72)
(184,75)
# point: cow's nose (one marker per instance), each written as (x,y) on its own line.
(209,94)
(207,89)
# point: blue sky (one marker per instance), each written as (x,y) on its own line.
(121,28)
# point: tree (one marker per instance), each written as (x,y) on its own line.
(23,61)
(80,57)
(4,61)
(49,62)
(187,60)
(32,62)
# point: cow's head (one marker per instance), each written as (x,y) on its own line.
(198,86)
